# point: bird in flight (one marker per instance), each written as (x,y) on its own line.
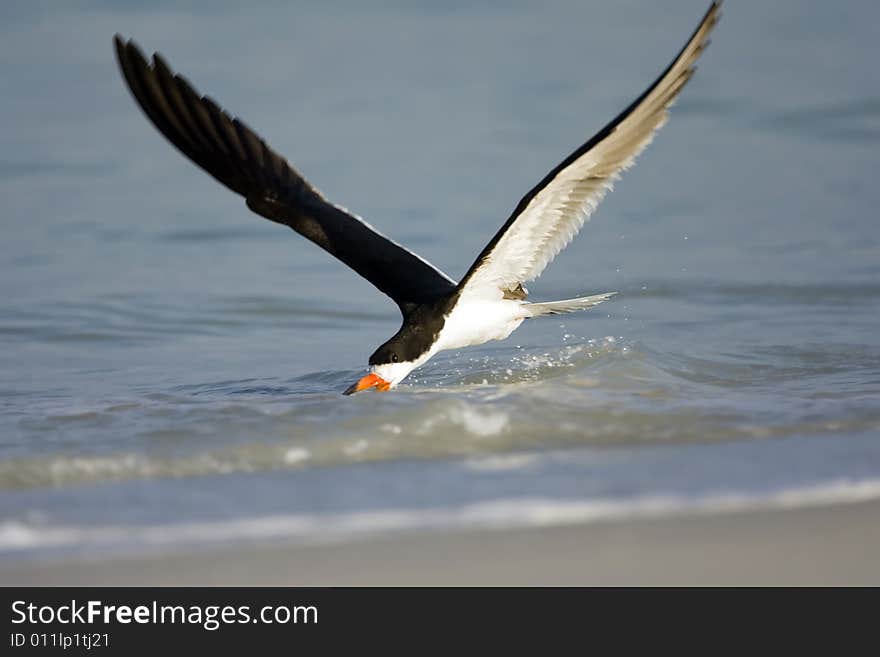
(490,301)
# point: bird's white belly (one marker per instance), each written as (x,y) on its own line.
(475,322)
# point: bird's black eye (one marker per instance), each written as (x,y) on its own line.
(393,358)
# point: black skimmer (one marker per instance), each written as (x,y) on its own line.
(489,302)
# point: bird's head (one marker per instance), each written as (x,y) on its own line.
(389,365)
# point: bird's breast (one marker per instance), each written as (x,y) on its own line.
(475,322)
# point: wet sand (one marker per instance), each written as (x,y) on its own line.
(808,546)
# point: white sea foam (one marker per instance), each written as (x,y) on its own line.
(500,462)
(296,455)
(494,514)
(474,420)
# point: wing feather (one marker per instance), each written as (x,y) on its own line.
(552,213)
(236,156)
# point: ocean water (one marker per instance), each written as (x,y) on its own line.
(171,365)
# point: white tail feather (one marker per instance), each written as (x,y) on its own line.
(566,306)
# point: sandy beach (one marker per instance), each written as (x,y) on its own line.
(830,545)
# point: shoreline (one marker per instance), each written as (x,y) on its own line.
(820,545)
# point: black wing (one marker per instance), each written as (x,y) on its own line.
(237,157)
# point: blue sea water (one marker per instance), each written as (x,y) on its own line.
(171,365)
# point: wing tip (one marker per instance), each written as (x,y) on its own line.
(119,44)
(126,47)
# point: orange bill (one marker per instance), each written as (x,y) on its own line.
(369,381)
